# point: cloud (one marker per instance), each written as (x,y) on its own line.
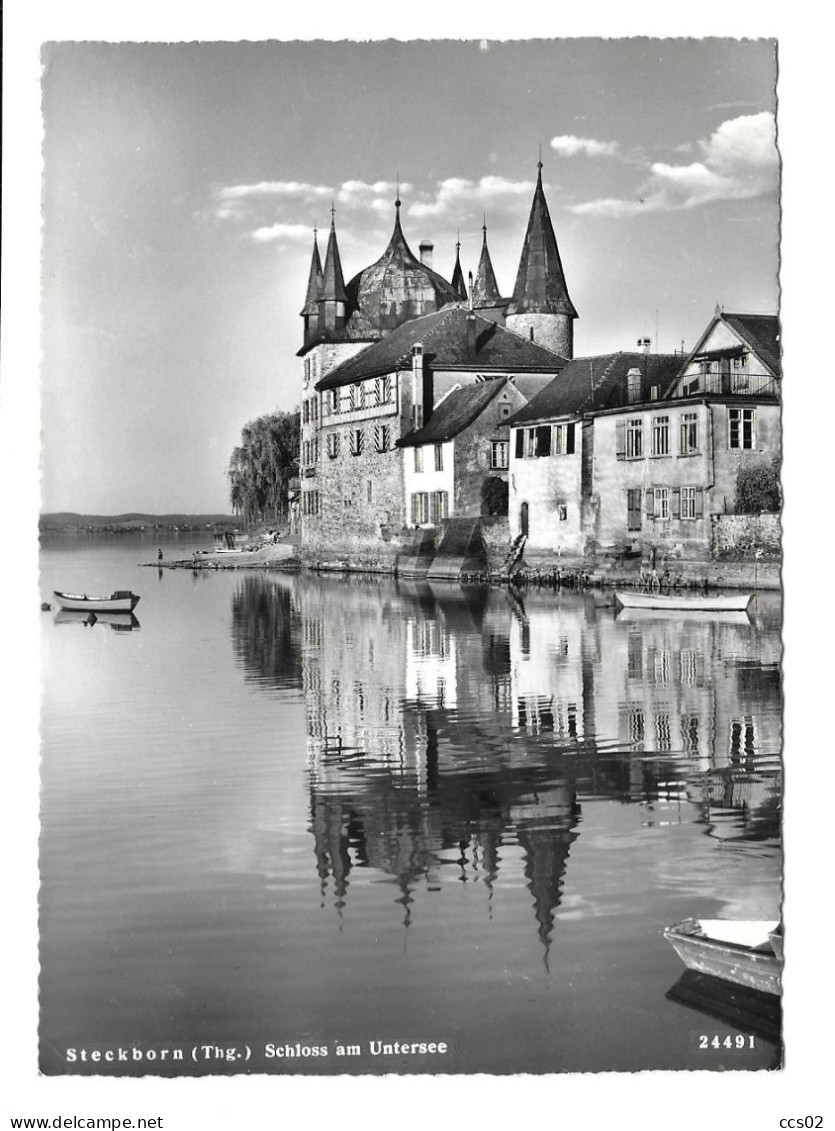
(285,232)
(739,162)
(459,196)
(567,145)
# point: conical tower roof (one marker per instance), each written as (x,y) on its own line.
(458,284)
(485,287)
(540,282)
(314,281)
(333,285)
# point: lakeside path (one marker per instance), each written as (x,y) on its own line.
(278,555)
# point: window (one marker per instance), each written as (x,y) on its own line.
(633,508)
(692,503)
(498,454)
(429,507)
(530,442)
(305,412)
(658,503)
(418,459)
(742,428)
(520,442)
(635,438)
(354,393)
(562,512)
(334,400)
(382,437)
(370,490)
(660,435)
(688,437)
(356,440)
(438,507)
(653,392)
(504,410)
(314,410)
(332,445)
(543,440)
(439,457)
(417,415)
(564,439)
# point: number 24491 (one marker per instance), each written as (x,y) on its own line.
(740,1041)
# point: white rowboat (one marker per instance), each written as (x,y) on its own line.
(719,602)
(122,601)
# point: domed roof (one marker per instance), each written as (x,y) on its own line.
(395,289)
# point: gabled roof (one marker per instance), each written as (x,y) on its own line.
(761,332)
(455,413)
(444,336)
(540,282)
(589,384)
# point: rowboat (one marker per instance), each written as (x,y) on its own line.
(122,601)
(745,952)
(719,602)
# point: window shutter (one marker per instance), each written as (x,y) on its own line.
(620,439)
(520,443)
(676,503)
(700,502)
(650,503)
(569,440)
(543,440)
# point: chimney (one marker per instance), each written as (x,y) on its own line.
(644,344)
(470,321)
(426,249)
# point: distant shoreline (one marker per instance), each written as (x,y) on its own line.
(67,522)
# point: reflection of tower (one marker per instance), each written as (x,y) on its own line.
(546,831)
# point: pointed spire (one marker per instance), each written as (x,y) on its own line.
(458,284)
(540,282)
(314,281)
(333,284)
(485,288)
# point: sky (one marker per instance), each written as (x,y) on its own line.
(182,183)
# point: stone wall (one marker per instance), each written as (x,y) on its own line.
(738,536)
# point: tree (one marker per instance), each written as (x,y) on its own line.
(261,468)
(758,487)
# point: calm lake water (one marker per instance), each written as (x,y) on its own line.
(314,812)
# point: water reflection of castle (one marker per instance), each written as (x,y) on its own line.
(440,723)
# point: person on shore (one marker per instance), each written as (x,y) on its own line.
(159,555)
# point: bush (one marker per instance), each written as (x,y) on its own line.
(494,496)
(758,487)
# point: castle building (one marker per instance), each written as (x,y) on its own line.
(397,344)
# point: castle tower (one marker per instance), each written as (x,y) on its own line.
(541,308)
(310,311)
(332,297)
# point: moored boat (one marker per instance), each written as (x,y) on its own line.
(122,601)
(701,602)
(738,951)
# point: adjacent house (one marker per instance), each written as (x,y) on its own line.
(642,451)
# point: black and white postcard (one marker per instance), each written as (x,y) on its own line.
(412,518)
